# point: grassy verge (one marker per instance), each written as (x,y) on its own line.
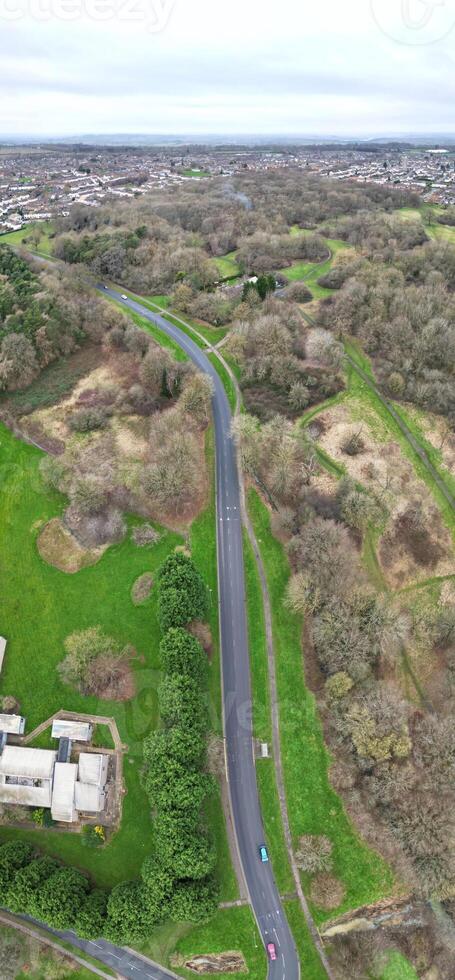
(271,814)
(211,334)
(310,965)
(312,804)
(230,929)
(262,726)
(161,338)
(203,549)
(226,379)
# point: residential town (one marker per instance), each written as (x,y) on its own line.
(39,183)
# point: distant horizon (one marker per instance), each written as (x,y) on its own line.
(229,138)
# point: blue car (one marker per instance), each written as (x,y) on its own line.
(263,854)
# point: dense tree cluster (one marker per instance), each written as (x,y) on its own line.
(32,884)
(398,756)
(34,328)
(285,367)
(405,318)
(169,236)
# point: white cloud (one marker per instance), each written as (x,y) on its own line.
(288,67)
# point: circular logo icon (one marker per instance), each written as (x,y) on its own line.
(414,22)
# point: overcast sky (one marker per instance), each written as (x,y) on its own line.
(333,67)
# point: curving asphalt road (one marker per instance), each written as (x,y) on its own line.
(237,701)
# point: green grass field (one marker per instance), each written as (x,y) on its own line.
(397,967)
(41,606)
(195,173)
(312,804)
(21,237)
(310,272)
(227,264)
(230,929)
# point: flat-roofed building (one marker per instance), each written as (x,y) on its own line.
(90,795)
(26,776)
(63,806)
(77,731)
(12,724)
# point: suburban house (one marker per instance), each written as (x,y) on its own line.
(79,787)
(36,778)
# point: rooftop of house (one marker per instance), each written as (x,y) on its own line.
(77,731)
(12,724)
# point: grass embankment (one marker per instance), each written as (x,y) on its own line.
(313,806)
(361,390)
(228,383)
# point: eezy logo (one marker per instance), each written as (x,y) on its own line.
(154,14)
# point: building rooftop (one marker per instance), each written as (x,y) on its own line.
(92,768)
(63,808)
(89,798)
(17,760)
(12,724)
(77,731)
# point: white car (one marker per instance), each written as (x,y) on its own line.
(124,296)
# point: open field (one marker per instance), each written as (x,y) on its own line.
(36,619)
(195,173)
(310,272)
(227,264)
(312,804)
(21,237)
(427,214)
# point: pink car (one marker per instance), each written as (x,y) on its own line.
(271,950)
